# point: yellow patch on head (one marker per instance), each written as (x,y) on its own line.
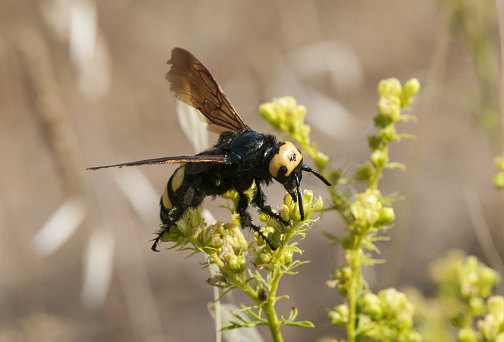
(289,156)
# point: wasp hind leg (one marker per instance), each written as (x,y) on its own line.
(246,219)
(168,222)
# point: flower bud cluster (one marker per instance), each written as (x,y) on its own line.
(284,114)
(490,328)
(387,314)
(393,97)
(368,211)
(290,209)
(465,278)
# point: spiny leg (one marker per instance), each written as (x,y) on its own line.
(259,201)
(246,219)
(173,216)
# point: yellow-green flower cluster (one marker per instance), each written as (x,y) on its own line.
(285,115)
(387,316)
(368,211)
(490,328)
(393,97)
(276,232)
(311,205)
(465,278)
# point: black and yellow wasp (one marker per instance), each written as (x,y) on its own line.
(242,157)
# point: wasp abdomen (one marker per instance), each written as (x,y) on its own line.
(170,197)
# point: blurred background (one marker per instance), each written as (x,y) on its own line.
(82,84)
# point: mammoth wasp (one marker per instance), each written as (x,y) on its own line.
(240,158)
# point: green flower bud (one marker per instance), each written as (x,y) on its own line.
(263,256)
(409,91)
(458,320)
(373,142)
(379,158)
(487,279)
(499,161)
(342,274)
(339,316)
(489,327)
(476,304)
(405,317)
(339,199)
(283,211)
(389,87)
(307,196)
(393,301)
(205,237)
(237,264)
(467,335)
(317,205)
(370,304)
(364,172)
(390,110)
(499,180)
(321,160)
(386,215)
(286,258)
(388,133)
(347,241)
(410,336)
(267,111)
(495,305)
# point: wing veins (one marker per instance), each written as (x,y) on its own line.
(220,159)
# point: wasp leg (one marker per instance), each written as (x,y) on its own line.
(246,219)
(259,200)
(173,216)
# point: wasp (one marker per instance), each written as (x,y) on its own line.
(240,158)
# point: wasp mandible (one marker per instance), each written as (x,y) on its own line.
(240,158)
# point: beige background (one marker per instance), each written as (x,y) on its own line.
(63,111)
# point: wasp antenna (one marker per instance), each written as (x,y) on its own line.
(300,200)
(319,176)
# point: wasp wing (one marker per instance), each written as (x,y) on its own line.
(170,160)
(193,84)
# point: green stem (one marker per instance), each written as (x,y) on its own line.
(269,311)
(353,294)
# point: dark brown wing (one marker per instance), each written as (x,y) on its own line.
(170,160)
(193,84)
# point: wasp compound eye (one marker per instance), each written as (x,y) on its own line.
(284,162)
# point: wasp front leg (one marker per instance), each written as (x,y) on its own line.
(259,200)
(246,219)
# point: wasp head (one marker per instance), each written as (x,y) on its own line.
(286,166)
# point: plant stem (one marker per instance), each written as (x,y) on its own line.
(353,293)
(269,309)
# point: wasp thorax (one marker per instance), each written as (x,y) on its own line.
(284,162)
